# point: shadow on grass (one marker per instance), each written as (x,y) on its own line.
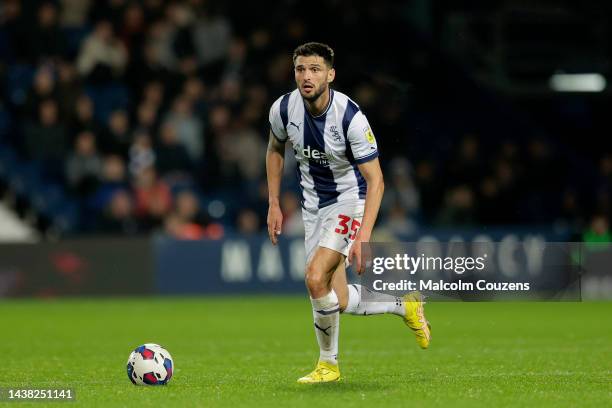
(339,387)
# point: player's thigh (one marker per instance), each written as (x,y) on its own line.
(312,233)
(340,223)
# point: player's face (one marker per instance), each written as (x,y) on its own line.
(312,76)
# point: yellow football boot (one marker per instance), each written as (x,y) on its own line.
(324,372)
(415,318)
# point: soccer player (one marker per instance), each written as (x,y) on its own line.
(342,187)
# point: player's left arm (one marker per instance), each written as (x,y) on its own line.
(372,173)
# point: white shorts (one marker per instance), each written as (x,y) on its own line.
(333,227)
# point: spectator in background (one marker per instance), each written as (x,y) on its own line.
(74,13)
(102,56)
(506,181)
(498,191)
(109,10)
(132,32)
(187,208)
(244,149)
(141,154)
(83,118)
(186,67)
(230,92)
(401,189)
(211,38)
(247,222)
(178,228)
(159,52)
(489,202)
(458,208)
(153,197)
(599,230)
(195,92)
(12,20)
(279,73)
(113,180)
(84,166)
(46,140)
(117,139)
(118,216)
(571,215)
(153,94)
(150,67)
(398,222)
(188,220)
(180,15)
(236,58)
(146,117)
(46,38)
(68,88)
(467,166)
(172,157)
(429,187)
(187,126)
(542,182)
(43,88)
(224,169)
(254,112)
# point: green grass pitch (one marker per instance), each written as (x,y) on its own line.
(248,351)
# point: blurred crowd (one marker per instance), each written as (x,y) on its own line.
(154,113)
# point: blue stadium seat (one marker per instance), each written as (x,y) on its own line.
(5,123)
(48,199)
(108,98)
(74,36)
(67,217)
(8,161)
(25,179)
(18,81)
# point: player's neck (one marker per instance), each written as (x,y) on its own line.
(319,105)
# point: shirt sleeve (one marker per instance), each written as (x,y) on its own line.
(276,122)
(361,139)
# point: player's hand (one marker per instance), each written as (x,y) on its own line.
(275,221)
(356,252)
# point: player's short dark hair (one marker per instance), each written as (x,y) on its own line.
(315,48)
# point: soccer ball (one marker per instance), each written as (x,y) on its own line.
(150,364)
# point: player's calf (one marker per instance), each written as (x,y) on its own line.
(364,302)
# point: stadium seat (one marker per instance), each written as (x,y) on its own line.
(18,81)
(108,98)
(74,36)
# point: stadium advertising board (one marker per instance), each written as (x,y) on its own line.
(101,266)
(548,270)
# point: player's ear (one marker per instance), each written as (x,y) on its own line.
(331,74)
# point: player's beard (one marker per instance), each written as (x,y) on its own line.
(316,94)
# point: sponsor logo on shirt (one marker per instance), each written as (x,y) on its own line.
(369,136)
(316,156)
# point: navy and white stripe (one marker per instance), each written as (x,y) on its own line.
(328,147)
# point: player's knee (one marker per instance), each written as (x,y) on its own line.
(315,279)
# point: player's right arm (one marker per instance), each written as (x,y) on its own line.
(275,158)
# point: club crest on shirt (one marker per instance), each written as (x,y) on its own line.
(335,133)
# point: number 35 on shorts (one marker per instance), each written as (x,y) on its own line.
(343,226)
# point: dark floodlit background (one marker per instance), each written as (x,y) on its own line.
(139,129)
